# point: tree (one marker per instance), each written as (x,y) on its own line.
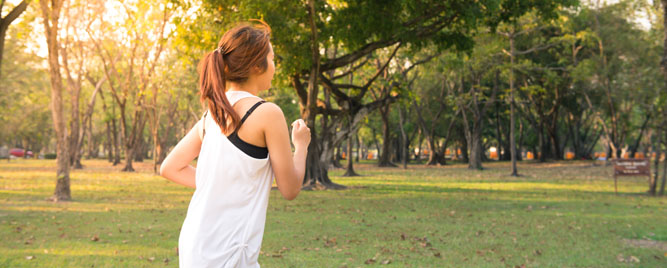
(6,21)
(663,64)
(131,79)
(314,24)
(610,96)
(51,18)
(25,98)
(474,108)
(432,98)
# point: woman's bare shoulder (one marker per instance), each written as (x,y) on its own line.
(270,116)
(270,110)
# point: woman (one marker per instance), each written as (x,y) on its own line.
(242,142)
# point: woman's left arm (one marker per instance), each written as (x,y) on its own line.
(176,166)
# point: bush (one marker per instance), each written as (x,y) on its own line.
(50,156)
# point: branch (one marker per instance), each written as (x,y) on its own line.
(351,70)
(354,56)
(300,91)
(533,49)
(377,74)
(334,88)
(7,20)
(419,62)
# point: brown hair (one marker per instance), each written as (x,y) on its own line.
(239,50)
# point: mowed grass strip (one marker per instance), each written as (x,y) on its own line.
(560,214)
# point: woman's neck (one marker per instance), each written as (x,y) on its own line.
(247,87)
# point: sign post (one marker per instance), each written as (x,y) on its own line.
(630,167)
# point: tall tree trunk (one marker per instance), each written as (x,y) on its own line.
(75,126)
(653,181)
(337,157)
(420,141)
(51,16)
(385,155)
(432,151)
(519,146)
(157,148)
(140,153)
(111,139)
(476,150)
(359,143)
(116,140)
(349,172)
(664,177)
(109,143)
(465,156)
(633,149)
(129,157)
(404,139)
(664,167)
(89,137)
(555,144)
(316,172)
(513,157)
(503,155)
(663,64)
(134,141)
(542,144)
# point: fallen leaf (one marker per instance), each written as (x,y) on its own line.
(620,258)
(386,262)
(633,259)
(95,238)
(29,257)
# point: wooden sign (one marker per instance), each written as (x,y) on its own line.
(631,167)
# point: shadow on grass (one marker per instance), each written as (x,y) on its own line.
(403,188)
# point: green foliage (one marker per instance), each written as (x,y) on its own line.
(25,97)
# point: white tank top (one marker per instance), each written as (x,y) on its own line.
(224,224)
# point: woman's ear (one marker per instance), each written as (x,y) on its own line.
(257,70)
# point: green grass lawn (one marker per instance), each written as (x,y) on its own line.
(560,214)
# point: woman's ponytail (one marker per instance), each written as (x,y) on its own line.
(240,51)
(212,85)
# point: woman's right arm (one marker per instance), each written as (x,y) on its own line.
(289,169)
(176,166)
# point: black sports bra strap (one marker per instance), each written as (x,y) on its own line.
(203,125)
(248,113)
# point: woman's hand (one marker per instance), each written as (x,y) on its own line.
(300,134)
